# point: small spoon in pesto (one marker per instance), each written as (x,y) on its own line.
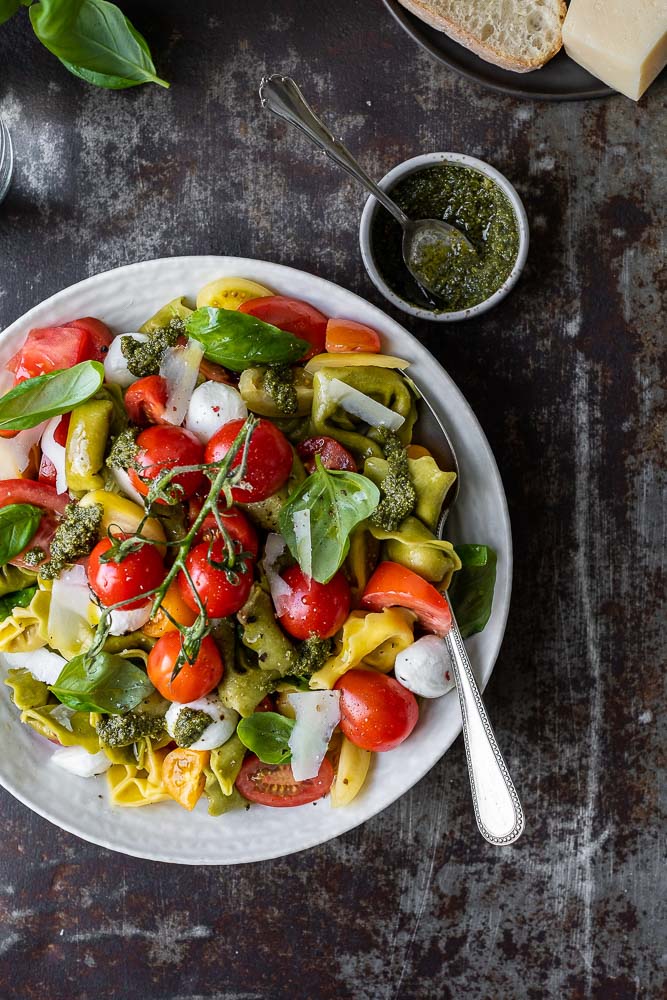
(431,248)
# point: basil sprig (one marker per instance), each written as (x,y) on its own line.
(267,735)
(20,599)
(94,40)
(37,399)
(337,502)
(471,589)
(18,524)
(239,341)
(105,683)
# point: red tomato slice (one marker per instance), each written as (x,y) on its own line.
(331,452)
(292,315)
(50,349)
(47,471)
(100,335)
(392,585)
(41,495)
(344,336)
(146,399)
(274,784)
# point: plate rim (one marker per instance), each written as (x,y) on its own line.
(411,24)
(505,593)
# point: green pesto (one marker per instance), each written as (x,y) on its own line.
(124,450)
(144,359)
(122,730)
(190,726)
(398,493)
(75,537)
(473,204)
(33,557)
(278,383)
(311,655)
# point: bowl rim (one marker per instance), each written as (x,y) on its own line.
(411,166)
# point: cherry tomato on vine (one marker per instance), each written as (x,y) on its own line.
(138,573)
(194,680)
(269,460)
(314,608)
(235,523)
(164,448)
(377,713)
(222,592)
(274,784)
(332,454)
(293,316)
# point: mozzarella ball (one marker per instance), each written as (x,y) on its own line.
(425,667)
(213,404)
(223,721)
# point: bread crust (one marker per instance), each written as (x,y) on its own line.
(422,9)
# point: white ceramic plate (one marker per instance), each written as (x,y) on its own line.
(124,298)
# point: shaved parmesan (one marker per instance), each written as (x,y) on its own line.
(129,621)
(223,721)
(55,453)
(15,452)
(124,484)
(78,761)
(281,592)
(213,404)
(304,544)
(69,613)
(179,369)
(42,663)
(317,715)
(360,405)
(115,365)
(345,360)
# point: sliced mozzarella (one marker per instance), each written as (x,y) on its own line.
(359,404)
(15,452)
(55,453)
(212,405)
(179,369)
(78,761)
(69,612)
(129,621)
(42,664)
(317,715)
(304,544)
(425,667)
(124,484)
(115,365)
(223,725)
(281,592)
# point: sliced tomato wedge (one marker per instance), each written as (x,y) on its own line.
(100,335)
(41,495)
(392,585)
(293,316)
(274,784)
(49,349)
(332,454)
(145,401)
(345,336)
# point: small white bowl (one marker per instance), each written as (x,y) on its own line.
(412,166)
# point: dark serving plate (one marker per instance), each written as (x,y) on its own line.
(560,80)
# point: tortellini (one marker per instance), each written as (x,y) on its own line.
(374,638)
(26,628)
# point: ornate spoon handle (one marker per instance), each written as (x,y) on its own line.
(497,807)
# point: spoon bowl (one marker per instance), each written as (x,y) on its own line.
(427,245)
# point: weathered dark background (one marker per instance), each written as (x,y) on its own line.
(565,379)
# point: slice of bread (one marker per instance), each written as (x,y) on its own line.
(519,35)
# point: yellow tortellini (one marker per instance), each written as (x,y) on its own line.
(26,628)
(351,773)
(374,638)
(138,784)
(71,729)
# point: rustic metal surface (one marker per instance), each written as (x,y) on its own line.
(564,377)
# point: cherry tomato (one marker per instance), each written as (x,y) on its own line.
(163,448)
(145,401)
(274,784)
(194,680)
(332,454)
(345,336)
(235,523)
(138,573)
(49,349)
(377,713)
(292,315)
(392,585)
(222,592)
(269,461)
(314,608)
(100,335)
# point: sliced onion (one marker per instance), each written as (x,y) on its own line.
(41,663)
(281,592)
(129,621)
(78,761)
(223,724)
(115,365)
(212,405)
(304,544)
(360,405)
(15,453)
(55,453)
(179,369)
(317,715)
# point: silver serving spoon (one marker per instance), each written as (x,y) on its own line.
(497,807)
(425,241)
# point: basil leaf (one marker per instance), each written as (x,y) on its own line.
(37,399)
(107,683)
(7,9)
(18,524)
(471,589)
(267,735)
(20,599)
(95,40)
(239,341)
(337,502)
